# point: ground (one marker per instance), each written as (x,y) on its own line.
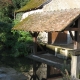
(11,74)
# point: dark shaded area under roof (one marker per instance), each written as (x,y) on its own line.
(49,21)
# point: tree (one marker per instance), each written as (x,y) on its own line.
(12,42)
(6,14)
(6,11)
(19,3)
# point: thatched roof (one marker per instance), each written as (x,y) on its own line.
(49,21)
(62,4)
(50,5)
(32,4)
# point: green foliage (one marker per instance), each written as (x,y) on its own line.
(19,3)
(21,47)
(4,30)
(6,14)
(24,2)
(66,75)
(66,71)
(14,42)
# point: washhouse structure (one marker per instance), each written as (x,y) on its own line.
(55,28)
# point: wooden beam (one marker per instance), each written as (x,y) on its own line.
(34,34)
(41,47)
(51,60)
(74,52)
(61,51)
(72,29)
(71,35)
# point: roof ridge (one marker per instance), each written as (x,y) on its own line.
(57,10)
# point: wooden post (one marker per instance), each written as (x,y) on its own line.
(77,39)
(49,42)
(34,45)
(75,64)
(76,59)
(34,35)
(34,52)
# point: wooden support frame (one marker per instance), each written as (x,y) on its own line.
(75,59)
(76,42)
(75,62)
(41,47)
(73,38)
(72,29)
(75,67)
(34,35)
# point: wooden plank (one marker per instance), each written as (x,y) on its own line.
(72,29)
(50,59)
